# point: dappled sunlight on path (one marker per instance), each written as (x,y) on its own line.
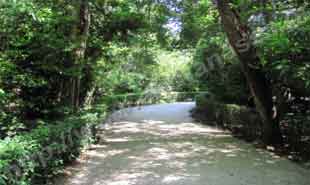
(161,144)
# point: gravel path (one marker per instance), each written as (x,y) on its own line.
(161,144)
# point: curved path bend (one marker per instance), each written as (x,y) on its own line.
(161,144)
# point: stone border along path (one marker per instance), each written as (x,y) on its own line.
(161,144)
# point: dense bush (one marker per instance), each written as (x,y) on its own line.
(43,72)
(39,154)
(245,122)
(174,72)
(219,71)
(285,47)
(241,120)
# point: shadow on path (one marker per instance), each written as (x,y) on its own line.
(161,144)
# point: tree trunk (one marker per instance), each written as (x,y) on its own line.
(80,34)
(239,38)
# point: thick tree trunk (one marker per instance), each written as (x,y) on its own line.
(239,38)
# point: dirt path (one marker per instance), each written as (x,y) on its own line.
(161,144)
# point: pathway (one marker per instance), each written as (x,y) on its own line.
(161,144)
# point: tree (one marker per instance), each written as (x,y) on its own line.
(239,38)
(80,35)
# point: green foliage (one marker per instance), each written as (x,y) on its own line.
(33,54)
(285,47)
(197,18)
(38,49)
(281,34)
(174,72)
(125,69)
(43,151)
(238,119)
(218,70)
(130,59)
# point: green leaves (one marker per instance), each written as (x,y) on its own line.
(284,47)
(46,147)
(2,93)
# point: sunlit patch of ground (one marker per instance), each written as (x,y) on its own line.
(161,144)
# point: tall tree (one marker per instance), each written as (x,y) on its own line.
(80,36)
(239,38)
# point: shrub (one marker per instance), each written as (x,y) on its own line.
(42,152)
(285,47)
(240,120)
(218,70)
